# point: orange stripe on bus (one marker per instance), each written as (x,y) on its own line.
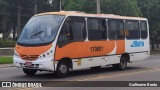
(83,49)
(120,46)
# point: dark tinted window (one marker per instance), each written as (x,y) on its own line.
(74,29)
(132,30)
(96,29)
(143,28)
(116,29)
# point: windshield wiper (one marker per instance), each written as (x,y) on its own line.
(37,34)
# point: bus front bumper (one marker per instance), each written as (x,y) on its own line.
(39,64)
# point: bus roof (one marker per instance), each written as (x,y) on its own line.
(78,13)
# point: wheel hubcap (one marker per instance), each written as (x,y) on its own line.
(63,68)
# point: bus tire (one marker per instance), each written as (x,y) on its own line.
(29,71)
(96,68)
(122,65)
(62,70)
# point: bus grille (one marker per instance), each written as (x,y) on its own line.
(29,57)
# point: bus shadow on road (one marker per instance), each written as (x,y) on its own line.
(104,70)
(81,73)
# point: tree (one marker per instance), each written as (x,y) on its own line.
(3,19)
(12,20)
(150,10)
(121,7)
(88,6)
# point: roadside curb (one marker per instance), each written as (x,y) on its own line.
(6,65)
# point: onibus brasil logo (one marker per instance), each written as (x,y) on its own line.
(137,44)
(21,84)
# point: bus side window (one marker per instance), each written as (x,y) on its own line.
(143,28)
(64,34)
(68,30)
(120,29)
(96,29)
(74,29)
(112,29)
(133,29)
(116,29)
(77,30)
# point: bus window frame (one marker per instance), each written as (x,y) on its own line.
(124,36)
(142,30)
(138,30)
(106,27)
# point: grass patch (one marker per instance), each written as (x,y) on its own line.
(6,60)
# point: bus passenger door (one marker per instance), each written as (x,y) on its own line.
(71,38)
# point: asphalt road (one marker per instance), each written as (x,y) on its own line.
(146,70)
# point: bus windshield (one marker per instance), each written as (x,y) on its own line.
(40,29)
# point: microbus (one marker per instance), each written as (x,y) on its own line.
(70,40)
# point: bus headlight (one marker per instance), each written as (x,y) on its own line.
(45,55)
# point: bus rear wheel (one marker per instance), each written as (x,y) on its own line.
(122,65)
(29,71)
(62,69)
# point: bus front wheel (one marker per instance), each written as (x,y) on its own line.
(62,69)
(122,65)
(29,71)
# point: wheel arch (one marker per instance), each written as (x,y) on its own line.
(67,60)
(127,56)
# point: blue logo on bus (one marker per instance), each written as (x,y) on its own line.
(137,44)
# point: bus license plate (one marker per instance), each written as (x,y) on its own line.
(28,63)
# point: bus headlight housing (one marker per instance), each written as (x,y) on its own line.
(45,55)
(16,54)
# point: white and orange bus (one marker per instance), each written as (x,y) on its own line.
(68,40)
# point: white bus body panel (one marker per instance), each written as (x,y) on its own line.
(137,49)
